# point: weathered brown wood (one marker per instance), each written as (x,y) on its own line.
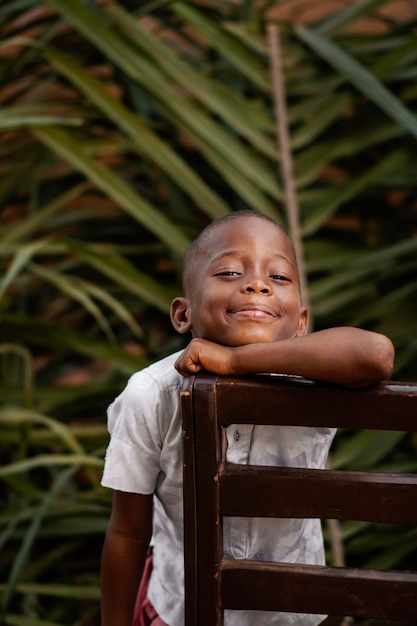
(366,496)
(205,550)
(213,489)
(339,591)
(284,400)
(190,519)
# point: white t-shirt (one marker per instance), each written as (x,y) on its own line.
(145,456)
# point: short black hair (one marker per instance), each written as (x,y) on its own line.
(197,248)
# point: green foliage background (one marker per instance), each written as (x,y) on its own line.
(124,130)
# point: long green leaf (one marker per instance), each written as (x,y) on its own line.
(33,332)
(113,304)
(50,460)
(75,290)
(318,156)
(340,19)
(237,54)
(18,117)
(20,261)
(14,417)
(60,591)
(125,274)
(365,449)
(320,116)
(246,190)
(314,220)
(396,298)
(113,186)
(360,77)
(336,301)
(235,110)
(144,140)
(10,619)
(152,79)
(27,227)
(24,551)
(404,546)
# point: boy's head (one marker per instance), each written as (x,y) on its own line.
(240,283)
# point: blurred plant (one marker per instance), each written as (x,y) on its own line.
(124,130)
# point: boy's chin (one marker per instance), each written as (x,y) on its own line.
(249,338)
(251,333)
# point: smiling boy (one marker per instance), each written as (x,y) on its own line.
(241,303)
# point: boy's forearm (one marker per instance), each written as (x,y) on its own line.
(346,356)
(123,561)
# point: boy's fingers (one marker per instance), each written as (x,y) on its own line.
(187,365)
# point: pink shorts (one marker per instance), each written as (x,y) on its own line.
(145,614)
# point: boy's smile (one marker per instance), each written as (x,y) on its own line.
(253,311)
(243,288)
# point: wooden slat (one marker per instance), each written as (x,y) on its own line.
(208,532)
(315,589)
(190,525)
(373,497)
(284,400)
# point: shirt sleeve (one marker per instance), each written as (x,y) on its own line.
(132,462)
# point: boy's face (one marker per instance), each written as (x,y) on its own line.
(244,288)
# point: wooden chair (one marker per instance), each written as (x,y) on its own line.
(213,489)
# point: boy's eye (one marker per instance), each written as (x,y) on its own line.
(280,277)
(227,273)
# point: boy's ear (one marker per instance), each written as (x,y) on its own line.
(181,315)
(302,322)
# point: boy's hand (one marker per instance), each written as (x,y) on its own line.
(203,354)
(344,356)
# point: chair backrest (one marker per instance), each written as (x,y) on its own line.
(214,489)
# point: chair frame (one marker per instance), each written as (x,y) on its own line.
(214,489)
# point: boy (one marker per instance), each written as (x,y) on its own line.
(241,302)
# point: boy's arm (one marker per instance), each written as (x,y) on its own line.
(124,554)
(345,356)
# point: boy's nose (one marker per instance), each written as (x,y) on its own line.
(256,286)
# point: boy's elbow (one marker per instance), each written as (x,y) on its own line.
(386,358)
(382,360)
(376,361)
